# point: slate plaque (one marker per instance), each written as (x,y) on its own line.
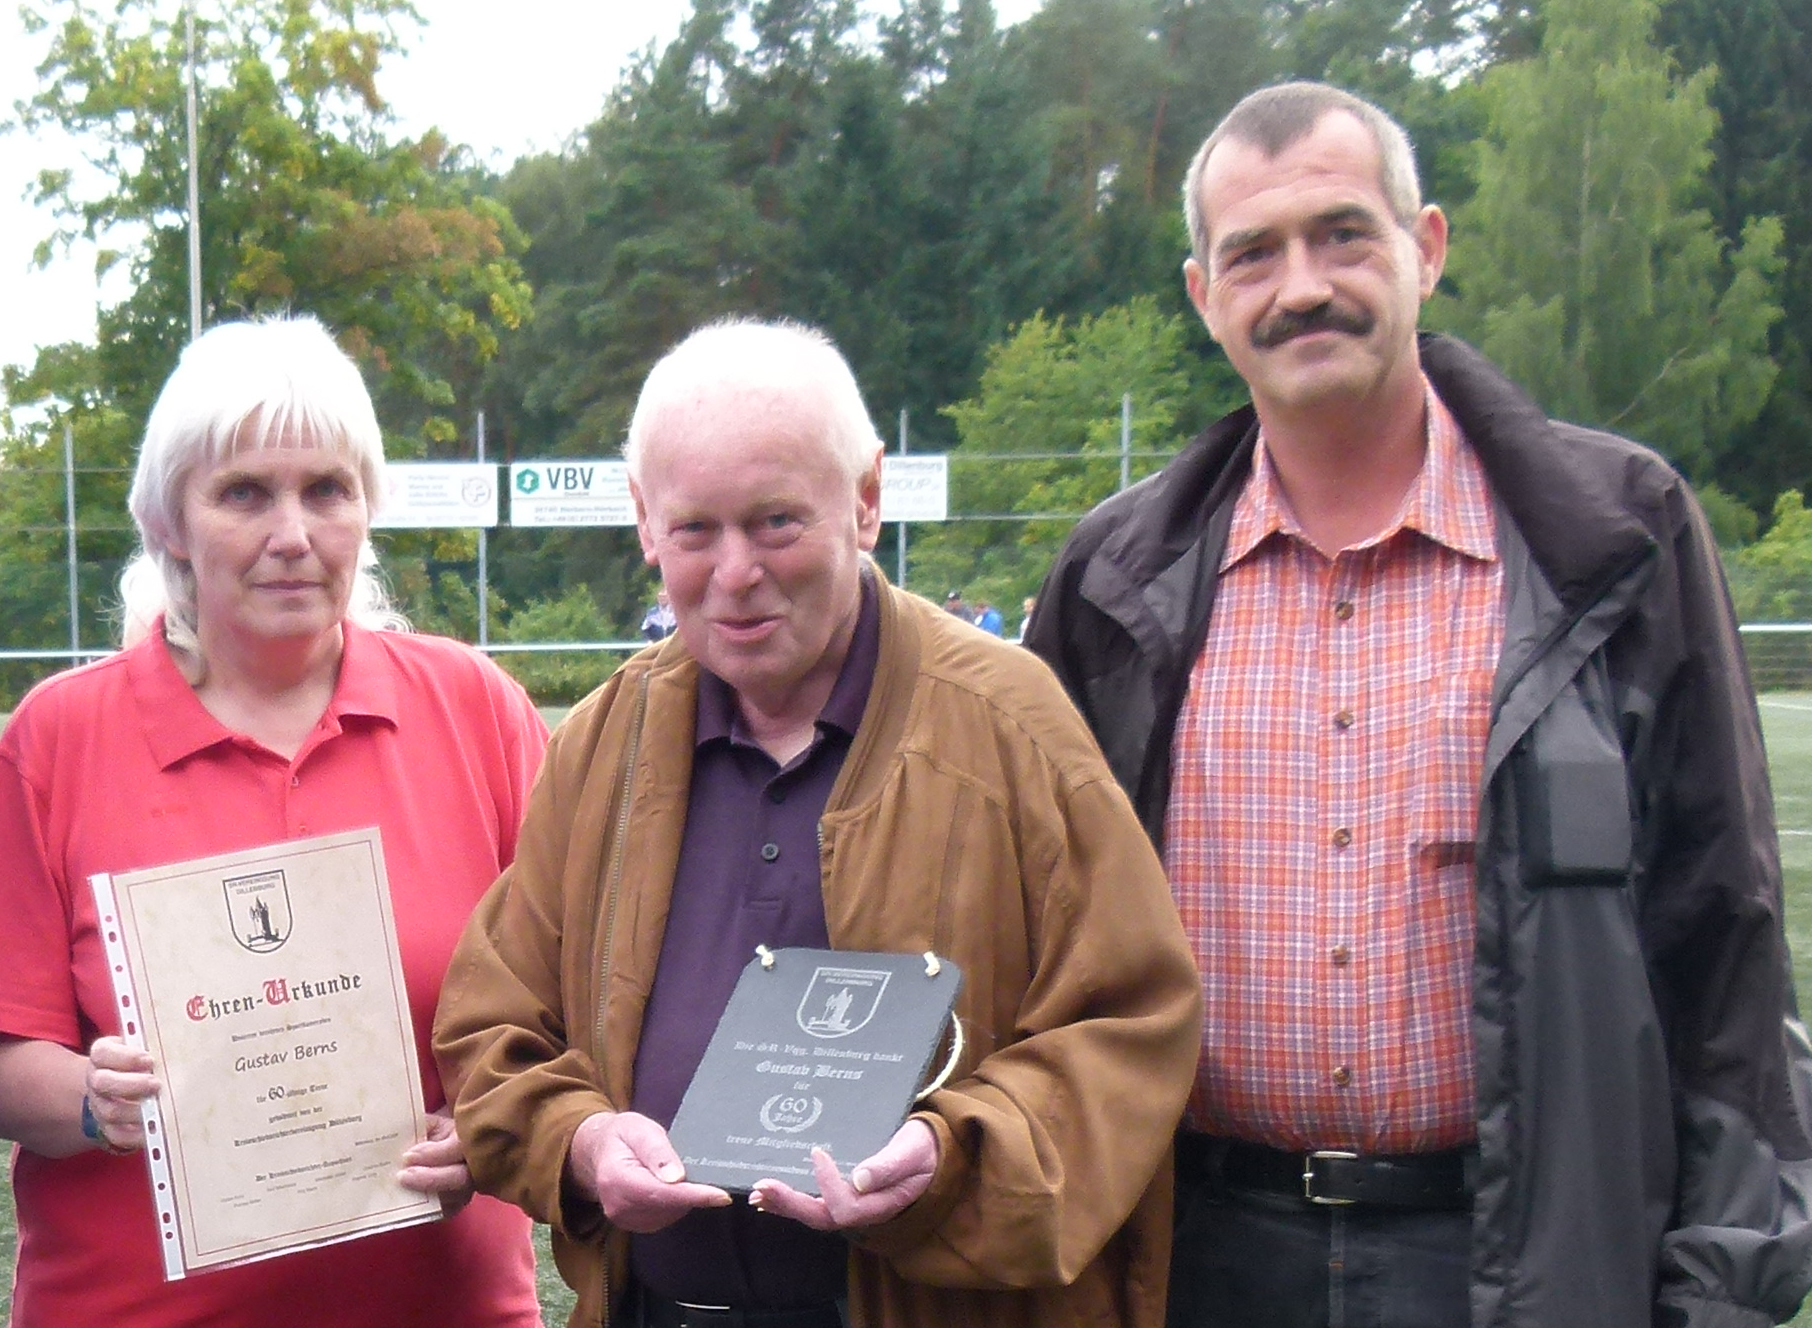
(824,1049)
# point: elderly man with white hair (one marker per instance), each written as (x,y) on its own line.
(818,759)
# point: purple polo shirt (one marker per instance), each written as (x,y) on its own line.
(748,874)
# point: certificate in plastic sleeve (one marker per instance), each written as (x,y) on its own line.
(268,988)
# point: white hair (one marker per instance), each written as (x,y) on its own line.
(244,387)
(764,357)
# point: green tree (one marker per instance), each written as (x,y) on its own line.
(638,235)
(1052,392)
(564,677)
(1771,580)
(306,205)
(1762,165)
(1584,264)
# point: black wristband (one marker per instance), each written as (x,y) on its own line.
(91,1130)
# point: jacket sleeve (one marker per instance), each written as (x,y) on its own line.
(1054,1136)
(1053,634)
(519,1085)
(1738,1253)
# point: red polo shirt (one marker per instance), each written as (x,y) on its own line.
(117,766)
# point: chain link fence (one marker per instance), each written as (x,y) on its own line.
(58,580)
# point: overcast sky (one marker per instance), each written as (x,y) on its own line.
(506,78)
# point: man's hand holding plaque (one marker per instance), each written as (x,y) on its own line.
(627,1163)
(877,1189)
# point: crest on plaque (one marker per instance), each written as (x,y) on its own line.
(841,1001)
(258,910)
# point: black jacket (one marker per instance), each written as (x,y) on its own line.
(1643,1103)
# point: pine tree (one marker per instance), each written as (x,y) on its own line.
(1585,264)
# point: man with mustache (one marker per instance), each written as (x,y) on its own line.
(1436,710)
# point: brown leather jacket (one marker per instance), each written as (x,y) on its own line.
(975,817)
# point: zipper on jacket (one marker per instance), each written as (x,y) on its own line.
(612,881)
(1563,628)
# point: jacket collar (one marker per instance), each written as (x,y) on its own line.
(1164,536)
(673,678)
(1576,518)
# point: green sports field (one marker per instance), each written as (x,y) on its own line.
(1787,720)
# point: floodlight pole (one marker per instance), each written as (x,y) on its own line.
(188,16)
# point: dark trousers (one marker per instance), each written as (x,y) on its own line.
(1268,1261)
(643,1309)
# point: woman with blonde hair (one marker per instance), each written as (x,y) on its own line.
(264,694)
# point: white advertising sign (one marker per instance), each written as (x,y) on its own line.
(438,495)
(915,488)
(596,493)
(570,493)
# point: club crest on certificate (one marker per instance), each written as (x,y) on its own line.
(258,909)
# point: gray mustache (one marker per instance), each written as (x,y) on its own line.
(1288,325)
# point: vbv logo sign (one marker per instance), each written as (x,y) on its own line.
(570,493)
(574,478)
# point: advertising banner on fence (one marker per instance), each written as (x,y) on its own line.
(437,495)
(570,493)
(596,493)
(915,488)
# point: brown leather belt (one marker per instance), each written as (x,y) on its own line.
(1330,1176)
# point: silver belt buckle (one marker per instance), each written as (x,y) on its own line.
(1308,1175)
(701,1314)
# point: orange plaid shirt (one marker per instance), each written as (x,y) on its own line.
(1324,804)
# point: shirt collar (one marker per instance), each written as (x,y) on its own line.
(1449,503)
(177,725)
(718,717)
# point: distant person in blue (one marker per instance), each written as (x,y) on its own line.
(988,618)
(658,623)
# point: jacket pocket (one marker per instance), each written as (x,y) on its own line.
(1573,799)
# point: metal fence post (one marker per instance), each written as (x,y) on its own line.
(1126,440)
(75,619)
(900,543)
(484,570)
